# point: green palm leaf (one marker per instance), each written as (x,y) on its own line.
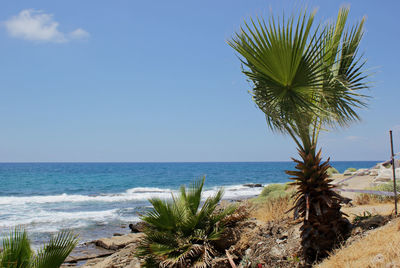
(307,79)
(54,253)
(17,251)
(181,230)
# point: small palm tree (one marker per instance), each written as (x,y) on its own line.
(17,252)
(306,80)
(181,232)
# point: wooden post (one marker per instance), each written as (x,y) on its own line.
(394,173)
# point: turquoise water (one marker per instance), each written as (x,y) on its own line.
(97,199)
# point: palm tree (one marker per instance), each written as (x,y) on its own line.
(180,232)
(17,252)
(307,79)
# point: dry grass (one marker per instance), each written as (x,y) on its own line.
(381,248)
(272,209)
(374,208)
(365,199)
(370,199)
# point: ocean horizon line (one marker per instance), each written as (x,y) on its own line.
(165,162)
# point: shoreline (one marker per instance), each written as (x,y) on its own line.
(101,249)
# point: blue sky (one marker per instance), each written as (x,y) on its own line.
(156,81)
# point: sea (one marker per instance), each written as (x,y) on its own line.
(100,199)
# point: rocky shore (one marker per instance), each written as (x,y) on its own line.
(116,251)
(248,240)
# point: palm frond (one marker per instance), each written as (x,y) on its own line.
(54,253)
(305,78)
(181,230)
(284,68)
(16,250)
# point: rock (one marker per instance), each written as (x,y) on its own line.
(75,259)
(137,227)
(277,252)
(348,173)
(253,185)
(247,251)
(117,234)
(373,173)
(372,222)
(86,251)
(362,172)
(386,174)
(123,258)
(118,242)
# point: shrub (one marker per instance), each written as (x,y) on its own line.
(274,191)
(180,232)
(273,188)
(332,171)
(17,251)
(371,198)
(272,208)
(351,170)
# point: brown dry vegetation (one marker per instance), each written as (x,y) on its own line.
(272,209)
(380,248)
(370,199)
(383,209)
(365,199)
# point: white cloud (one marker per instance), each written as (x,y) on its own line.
(34,25)
(79,34)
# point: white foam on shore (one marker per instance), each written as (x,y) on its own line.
(52,213)
(134,194)
(52,217)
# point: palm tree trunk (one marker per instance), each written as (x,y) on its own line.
(324,225)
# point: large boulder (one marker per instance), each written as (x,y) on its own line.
(373,172)
(386,174)
(362,172)
(253,185)
(117,242)
(124,258)
(348,173)
(138,227)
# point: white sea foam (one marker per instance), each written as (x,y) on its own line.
(52,221)
(54,212)
(134,194)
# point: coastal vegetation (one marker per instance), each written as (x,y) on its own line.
(332,171)
(17,252)
(350,170)
(379,249)
(306,80)
(374,198)
(273,202)
(257,234)
(182,232)
(272,191)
